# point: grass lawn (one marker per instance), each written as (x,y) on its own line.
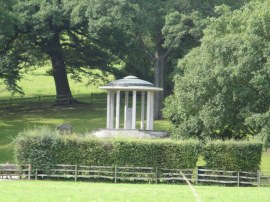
(265,164)
(50,191)
(44,84)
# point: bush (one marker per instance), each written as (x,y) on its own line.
(43,148)
(233,155)
(35,147)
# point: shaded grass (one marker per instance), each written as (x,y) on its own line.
(265,164)
(6,153)
(82,118)
(39,191)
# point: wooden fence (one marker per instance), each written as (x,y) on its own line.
(40,100)
(14,171)
(136,174)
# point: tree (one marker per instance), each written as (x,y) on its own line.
(7,21)
(222,87)
(55,30)
(160,32)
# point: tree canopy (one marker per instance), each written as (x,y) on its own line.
(222,88)
(160,33)
(39,30)
(147,37)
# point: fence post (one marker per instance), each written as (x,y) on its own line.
(258,178)
(238,178)
(197,171)
(115,174)
(156,174)
(29,171)
(10,101)
(76,172)
(39,98)
(36,174)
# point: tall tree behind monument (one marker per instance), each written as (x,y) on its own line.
(162,30)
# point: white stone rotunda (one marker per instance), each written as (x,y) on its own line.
(131,88)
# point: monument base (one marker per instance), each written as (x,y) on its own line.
(109,133)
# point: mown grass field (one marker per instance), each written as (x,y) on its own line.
(39,82)
(50,191)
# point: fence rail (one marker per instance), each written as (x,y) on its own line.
(40,100)
(136,174)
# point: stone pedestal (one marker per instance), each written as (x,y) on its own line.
(111,133)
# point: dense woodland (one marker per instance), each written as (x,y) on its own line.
(211,57)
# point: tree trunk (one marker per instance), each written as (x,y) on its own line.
(159,82)
(159,59)
(63,92)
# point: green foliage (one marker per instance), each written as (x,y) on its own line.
(158,32)
(88,151)
(161,153)
(44,147)
(7,22)
(34,32)
(35,147)
(233,155)
(222,87)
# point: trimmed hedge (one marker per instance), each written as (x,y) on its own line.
(44,147)
(161,153)
(233,155)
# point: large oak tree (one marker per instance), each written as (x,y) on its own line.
(34,31)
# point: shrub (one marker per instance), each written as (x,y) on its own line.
(35,147)
(233,155)
(43,148)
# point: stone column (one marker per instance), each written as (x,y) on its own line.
(112,109)
(126,108)
(133,126)
(117,116)
(108,109)
(150,110)
(142,110)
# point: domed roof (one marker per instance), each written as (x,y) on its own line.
(130,81)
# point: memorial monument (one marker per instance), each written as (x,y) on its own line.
(130,88)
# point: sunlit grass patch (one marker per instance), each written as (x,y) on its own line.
(25,191)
